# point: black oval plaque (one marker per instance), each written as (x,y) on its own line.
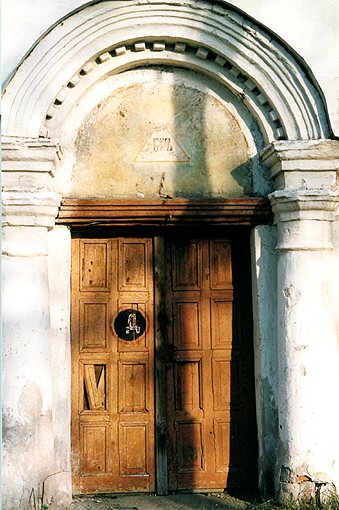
(129,324)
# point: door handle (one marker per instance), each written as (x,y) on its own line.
(132,324)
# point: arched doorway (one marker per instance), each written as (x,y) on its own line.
(169,146)
(244,80)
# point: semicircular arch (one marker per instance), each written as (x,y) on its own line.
(109,38)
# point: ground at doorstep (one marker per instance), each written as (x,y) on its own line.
(219,501)
(216,501)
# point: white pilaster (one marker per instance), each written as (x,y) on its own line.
(29,452)
(307,317)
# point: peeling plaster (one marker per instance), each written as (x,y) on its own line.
(304,485)
(111,140)
(308,344)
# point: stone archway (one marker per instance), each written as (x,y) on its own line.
(75,66)
(108,39)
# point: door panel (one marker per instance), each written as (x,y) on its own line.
(113,383)
(207,413)
(204,372)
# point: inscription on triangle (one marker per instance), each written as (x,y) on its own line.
(162,147)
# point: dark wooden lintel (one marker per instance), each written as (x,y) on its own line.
(170,212)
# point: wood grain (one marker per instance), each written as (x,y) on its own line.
(112,379)
(164,213)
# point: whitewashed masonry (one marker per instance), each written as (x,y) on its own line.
(68,73)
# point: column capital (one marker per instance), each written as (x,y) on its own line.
(304,218)
(300,164)
(30,209)
(292,205)
(28,164)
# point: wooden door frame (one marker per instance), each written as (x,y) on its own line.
(169,214)
(165,212)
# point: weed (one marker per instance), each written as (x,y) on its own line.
(37,501)
(331,503)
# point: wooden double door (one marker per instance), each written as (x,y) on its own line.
(162,366)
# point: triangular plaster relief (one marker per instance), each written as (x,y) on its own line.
(162,147)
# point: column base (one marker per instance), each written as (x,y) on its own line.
(293,485)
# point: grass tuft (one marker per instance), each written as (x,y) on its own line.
(331,503)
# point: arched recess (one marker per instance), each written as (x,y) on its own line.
(108,38)
(104,40)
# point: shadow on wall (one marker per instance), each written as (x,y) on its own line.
(181,141)
(212,439)
(267,358)
(231,417)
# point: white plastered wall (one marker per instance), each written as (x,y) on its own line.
(301,27)
(264,268)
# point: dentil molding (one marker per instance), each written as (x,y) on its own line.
(110,37)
